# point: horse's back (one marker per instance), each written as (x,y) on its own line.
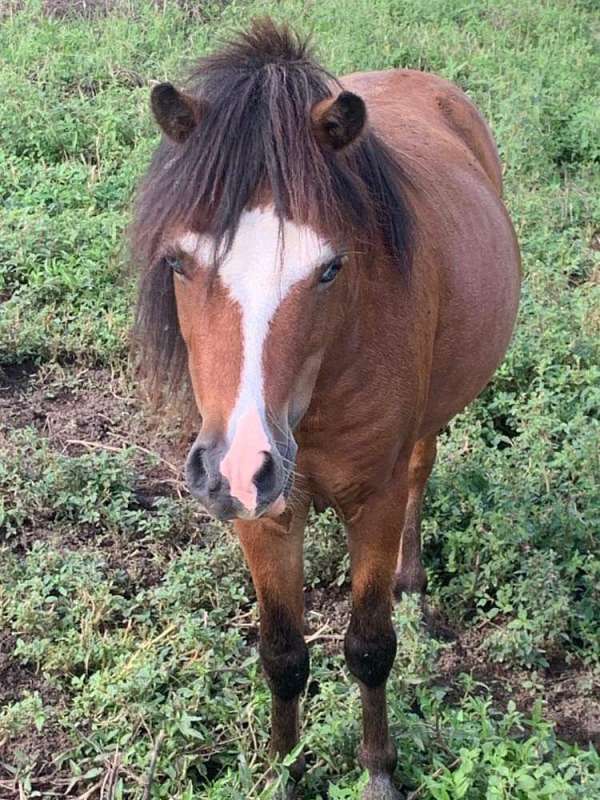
(407,105)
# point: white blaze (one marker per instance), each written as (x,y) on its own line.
(265,261)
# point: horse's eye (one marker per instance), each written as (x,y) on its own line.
(331,269)
(175,263)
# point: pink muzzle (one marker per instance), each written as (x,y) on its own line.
(245,457)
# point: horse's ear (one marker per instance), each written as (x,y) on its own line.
(338,121)
(176,113)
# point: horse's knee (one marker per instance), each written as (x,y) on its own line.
(370,648)
(284,657)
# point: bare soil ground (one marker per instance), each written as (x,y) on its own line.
(85,409)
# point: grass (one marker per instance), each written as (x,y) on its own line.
(126,618)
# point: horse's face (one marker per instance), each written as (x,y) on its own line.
(255,327)
(257,319)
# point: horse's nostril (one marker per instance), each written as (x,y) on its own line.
(264,480)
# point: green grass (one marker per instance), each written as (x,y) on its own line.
(130,619)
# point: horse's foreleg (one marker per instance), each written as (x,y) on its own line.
(410,575)
(370,643)
(274,554)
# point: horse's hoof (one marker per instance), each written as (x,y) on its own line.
(380,787)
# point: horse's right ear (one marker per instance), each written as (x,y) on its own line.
(338,121)
(176,113)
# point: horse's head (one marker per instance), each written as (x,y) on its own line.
(249,220)
(256,319)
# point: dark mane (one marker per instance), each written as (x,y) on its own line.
(254,136)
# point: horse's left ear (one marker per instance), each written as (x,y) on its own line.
(338,121)
(176,113)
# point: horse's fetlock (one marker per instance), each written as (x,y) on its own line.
(380,762)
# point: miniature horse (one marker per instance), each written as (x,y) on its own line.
(332,266)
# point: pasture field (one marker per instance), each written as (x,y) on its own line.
(128,633)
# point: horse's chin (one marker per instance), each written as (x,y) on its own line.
(277,508)
(272,511)
(231,513)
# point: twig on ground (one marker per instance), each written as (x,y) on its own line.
(131,774)
(150,776)
(89,792)
(94,445)
(109,784)
(113,449)
(321,635)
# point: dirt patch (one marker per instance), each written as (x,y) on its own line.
(31,751)
(11,7)
(87,9)
(570,693)
(16,679)
(14,380)
(327,616)
(88,410)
